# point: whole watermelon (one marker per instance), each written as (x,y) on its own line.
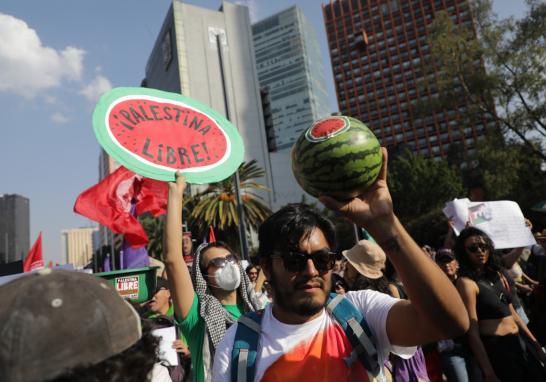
(337,156)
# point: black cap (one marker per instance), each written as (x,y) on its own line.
(444,255)
(161,283)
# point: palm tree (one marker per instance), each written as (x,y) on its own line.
(217,205)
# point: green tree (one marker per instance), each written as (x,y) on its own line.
(420,187)
(512,89)
(217,205)
(506,171)
(154,229)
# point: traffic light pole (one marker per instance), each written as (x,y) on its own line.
(240,210)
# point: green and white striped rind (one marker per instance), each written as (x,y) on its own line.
(216,172)
(344,163)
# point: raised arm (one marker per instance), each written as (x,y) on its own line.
(435,309)
(259,281)
(177,271)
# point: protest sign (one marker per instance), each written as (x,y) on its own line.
(502,220)
(155,133)
(166,352)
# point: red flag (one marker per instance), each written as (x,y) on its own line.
(151,196)
(109,203)
(212,238)
(34,259)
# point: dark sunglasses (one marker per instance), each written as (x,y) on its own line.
(293,261)
(473,248)
(221,262)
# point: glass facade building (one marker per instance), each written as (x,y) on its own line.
(378,50)
(14,227)
(289,67)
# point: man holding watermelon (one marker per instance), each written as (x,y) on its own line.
(300,336)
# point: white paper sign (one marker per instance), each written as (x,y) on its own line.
(166,351)
(502,220)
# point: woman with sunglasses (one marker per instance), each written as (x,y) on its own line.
(494,324)
(213,297)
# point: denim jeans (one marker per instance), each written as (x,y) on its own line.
(458,368)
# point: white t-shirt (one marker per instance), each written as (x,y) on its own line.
(315,349)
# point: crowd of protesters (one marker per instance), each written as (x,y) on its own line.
(385,309)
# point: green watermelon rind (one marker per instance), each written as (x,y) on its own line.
(223,168)
(311,138)
(333,163)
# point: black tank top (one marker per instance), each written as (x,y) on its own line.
(492,300)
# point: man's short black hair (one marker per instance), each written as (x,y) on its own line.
(284,230)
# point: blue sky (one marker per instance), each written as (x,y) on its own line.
(56,58)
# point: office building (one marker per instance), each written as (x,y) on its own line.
(78,245)
(14,227)
(289,66)
(203,53)
(378,51)
(292,79)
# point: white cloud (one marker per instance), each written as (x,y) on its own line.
(26,66)
(96,88)
(59,118)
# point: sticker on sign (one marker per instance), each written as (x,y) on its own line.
(127,286)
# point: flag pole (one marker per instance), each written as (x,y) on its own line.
(240,210)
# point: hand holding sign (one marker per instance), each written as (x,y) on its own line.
(155,134)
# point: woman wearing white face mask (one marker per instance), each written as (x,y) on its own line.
(213,297)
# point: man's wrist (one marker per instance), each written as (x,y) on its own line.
(383,229)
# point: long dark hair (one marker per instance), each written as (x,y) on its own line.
(467,268)
(380,285)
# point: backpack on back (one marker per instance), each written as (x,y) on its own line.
(247,336)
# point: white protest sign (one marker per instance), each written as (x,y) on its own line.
(502,220)
(166,351)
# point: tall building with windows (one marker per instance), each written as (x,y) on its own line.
(289,66)
(292,77)
(78,245)
(199,50)
(378,50)
(14,227)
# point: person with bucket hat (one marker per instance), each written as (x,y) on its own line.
(364,269)
(368,260)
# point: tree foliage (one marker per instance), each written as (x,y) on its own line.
(512,89)
(419,185)
(154,229)
(217,204)
(506,171)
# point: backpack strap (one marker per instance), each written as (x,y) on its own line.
(245,347)
(356,328)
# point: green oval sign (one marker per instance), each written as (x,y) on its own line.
(156,133)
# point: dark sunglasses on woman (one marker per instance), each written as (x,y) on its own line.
(473,248)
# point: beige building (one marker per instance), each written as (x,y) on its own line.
(77,245)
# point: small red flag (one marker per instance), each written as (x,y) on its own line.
(109,203)
(212,238)
(34,259)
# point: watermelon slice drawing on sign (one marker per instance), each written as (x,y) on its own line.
(156,133)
